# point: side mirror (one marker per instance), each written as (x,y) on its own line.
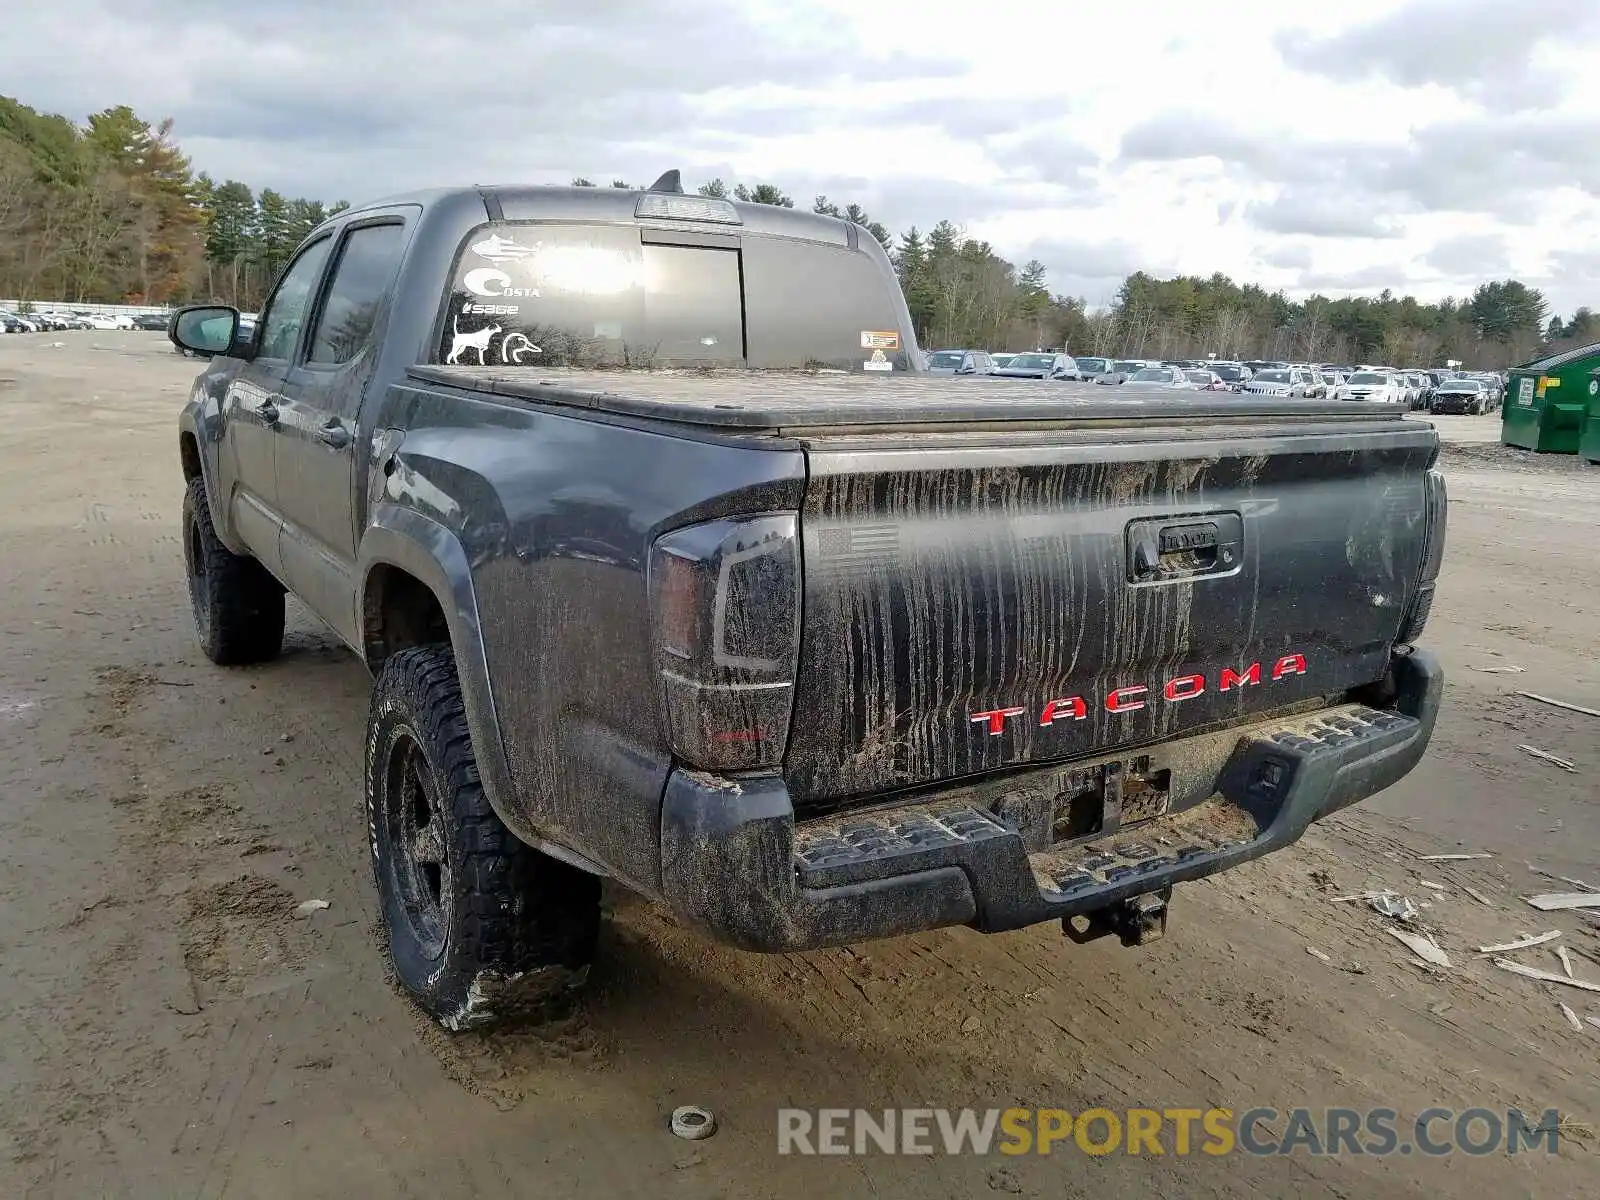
(205,329)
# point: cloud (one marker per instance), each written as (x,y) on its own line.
(1321,213)
(1180,135)
(594,87)
(1500,165)
(1093,269)
(1289,256)
(1052,157)
(1370,278)
(976,118)
(1484,50)
(1476,254)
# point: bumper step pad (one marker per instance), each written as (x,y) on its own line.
(1255,772)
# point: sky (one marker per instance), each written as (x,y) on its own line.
(1423,146)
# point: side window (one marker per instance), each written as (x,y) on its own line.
(286,311)
(361,277)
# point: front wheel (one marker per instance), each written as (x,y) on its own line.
(480,924)
(237,604)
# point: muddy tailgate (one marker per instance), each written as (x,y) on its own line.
(977,600)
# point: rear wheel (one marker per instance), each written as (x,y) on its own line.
(238,605)
(480,924)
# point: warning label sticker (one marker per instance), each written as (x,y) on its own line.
(879,341)
(877,362)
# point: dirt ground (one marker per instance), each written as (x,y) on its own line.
(170,1027)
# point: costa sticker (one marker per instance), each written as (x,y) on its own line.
(879,341)
(487,281)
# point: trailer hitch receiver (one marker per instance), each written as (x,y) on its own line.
(1137,921)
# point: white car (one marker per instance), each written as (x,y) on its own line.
(1379,386)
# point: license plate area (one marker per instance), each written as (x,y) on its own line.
(1087,802)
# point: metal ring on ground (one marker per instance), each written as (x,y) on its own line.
(692,1122)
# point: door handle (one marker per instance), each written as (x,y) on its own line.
(267,411)
(1170,549)
(335,435)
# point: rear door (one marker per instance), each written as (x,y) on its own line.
(253,407)
(978,601)
(322,393)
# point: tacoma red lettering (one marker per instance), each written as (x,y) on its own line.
(1185,687)
(1122,700)
(1232,679)
(1072,707)
(1290,664)
(997,718)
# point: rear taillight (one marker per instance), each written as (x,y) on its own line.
(725,613)
(1438,506)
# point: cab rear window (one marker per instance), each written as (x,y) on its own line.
(526,294)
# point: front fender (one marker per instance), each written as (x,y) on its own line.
(425,549)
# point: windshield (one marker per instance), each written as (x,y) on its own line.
(1152,375)
(1230,373)
(946,358)
(1272,377)
(1369,377)
(1125,367)
(1031,362)
(1198,376)
(1459,385)
(1095,366)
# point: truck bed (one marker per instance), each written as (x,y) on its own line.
(786,402)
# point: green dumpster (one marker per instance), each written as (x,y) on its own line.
(1547,400)
(1589,441)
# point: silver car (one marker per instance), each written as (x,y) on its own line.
(960,362)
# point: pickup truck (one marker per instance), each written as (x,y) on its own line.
(675,568)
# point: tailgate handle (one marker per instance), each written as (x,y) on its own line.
(1168,548)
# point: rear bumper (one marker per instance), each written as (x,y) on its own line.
(737,864)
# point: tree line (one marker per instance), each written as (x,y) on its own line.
(112,211)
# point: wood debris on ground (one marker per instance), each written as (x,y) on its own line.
(1566,961)
(1566,704)
(1450,857)
(1566,764)
(1423,946)
(1551,901)
(1516,968)
(1572,1018)
(1522,943)
(1478,896)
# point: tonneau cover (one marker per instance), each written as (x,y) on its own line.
(760,401)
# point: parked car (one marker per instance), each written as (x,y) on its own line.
(1122,369)
(1377,386)
(17,323)
(1159,379)
(599,649)
(1001,360)
(152,321)
(1234,374)
(1091,367)
(1278,381)
(1041,366)
(1461,396)
(1207,381)
(960,362)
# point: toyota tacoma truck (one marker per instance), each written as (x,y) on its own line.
(674,567)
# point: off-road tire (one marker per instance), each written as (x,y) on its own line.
(237,604)
(496,928)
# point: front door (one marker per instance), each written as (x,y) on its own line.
(253,410)
(317,430)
